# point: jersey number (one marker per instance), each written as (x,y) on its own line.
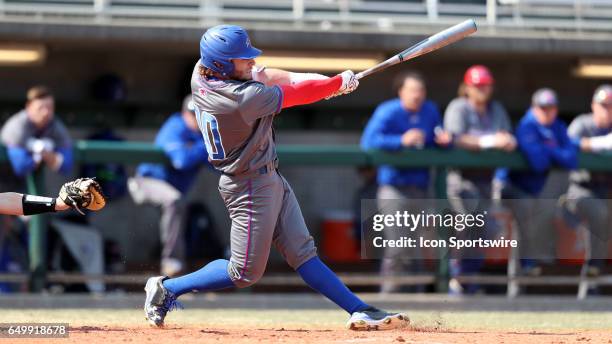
(212,138)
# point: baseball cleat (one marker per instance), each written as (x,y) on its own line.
(159,301)
(373,319)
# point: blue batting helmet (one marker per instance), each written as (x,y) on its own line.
(221,43)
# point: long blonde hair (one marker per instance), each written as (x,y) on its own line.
(462,90)
(207,72)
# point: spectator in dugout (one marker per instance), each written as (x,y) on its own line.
(543,140)
(406,122)
(588,191)
(35,137)
(165,186)
(477,122)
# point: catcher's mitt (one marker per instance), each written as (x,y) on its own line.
(83,193)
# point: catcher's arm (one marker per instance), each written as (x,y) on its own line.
(14,203)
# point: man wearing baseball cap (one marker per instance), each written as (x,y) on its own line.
(477,122)
(588,190)
(543,140)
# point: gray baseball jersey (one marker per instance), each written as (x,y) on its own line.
(18,130)
(581,127)
(461,118)
(235,118)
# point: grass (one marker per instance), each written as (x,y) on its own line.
(513,321)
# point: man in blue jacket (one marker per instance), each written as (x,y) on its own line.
(406,122)
(166,185)
(543,140)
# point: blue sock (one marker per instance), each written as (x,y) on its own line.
(213,276)
(320,278)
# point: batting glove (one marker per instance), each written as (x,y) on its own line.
(349,82)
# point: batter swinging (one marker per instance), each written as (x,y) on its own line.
(235,105)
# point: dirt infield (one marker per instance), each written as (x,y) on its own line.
(540,323)
(180,334)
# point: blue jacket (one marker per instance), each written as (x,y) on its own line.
(543,147)
(23,162)
(384,131)
(186,150)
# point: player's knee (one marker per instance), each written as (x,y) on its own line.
(301,253)
(245,276)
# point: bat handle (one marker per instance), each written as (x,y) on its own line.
(364,73)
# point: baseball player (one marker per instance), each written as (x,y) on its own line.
(235,106)
(165,186)
(408,121)
(543,140)
(588,191)
(477,122)
(78,194)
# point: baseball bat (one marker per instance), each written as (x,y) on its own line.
(431,43)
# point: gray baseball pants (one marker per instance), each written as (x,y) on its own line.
(264,211)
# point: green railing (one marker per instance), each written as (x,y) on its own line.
(292,155)
(335,155)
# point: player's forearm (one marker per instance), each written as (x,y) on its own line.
(10,203)
(565,156)
(310,91)
(597,143)
(469,142)
(13,203)
(382,141)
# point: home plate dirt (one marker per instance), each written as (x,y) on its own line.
(183,334)
(236,319)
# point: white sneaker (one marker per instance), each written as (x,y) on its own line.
(375,319)
(158,302)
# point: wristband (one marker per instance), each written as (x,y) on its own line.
(486,141)
(32,205)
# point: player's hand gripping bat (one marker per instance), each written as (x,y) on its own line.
(435,42)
